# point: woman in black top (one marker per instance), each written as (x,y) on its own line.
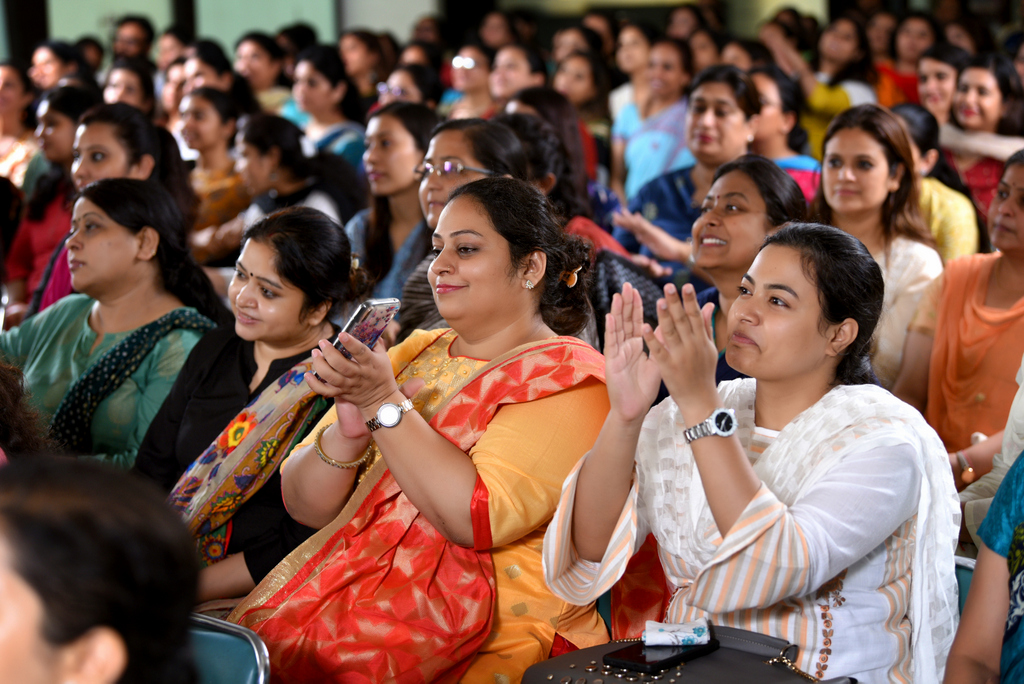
(293,274)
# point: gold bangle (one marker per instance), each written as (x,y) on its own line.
(330,461)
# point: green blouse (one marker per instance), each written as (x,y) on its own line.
(54,348)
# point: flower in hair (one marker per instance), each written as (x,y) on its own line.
(571,277)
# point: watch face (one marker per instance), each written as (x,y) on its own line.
(724,422)
(389,415)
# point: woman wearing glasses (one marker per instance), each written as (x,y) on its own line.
(411,83)
(390,237)
(460,152)
(471,74)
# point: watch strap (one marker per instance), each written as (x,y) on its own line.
(403,408)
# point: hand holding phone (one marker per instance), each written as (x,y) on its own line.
(367,324)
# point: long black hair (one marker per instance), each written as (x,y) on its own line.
(849,283)
(419,120)
(495,146)
(137,204)
(547,155)
(791,98)
(325,59)
(138,137)
(100,548)
(338,179)
(72,102)
(524,217)
(312,253)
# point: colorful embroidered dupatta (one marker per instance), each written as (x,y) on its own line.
(242,458)
(379,594)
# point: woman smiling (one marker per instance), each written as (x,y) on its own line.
(454,490)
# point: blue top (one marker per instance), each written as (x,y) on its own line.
(653,145)
(723,371)
(667,202)
(406,256)
(1003,532)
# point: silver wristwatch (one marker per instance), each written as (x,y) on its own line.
(389,415)
(722,423)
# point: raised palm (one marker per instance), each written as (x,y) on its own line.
(632,377)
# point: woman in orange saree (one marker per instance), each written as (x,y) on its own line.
(427,565)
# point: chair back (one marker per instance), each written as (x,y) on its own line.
(226,653)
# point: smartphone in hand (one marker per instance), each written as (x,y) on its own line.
(653,659)
(367,324)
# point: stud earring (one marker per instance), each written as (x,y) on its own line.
(529,284)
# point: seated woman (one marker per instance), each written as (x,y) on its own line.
(968,334)
(279,172)
(750,199)
(768,511)
(989,100)
(209,121)
(988,646)
(897,78)
(779,135)
(415,83)
(327,105)
(48,213)
(868,190)
(460,152)
(937,73)
(100,363)
(446,506)
(391,238)
(839,76)
(514,68)
(945,201)
(471,74)
(720,125)
(647,137)
(117,141)
(17,144)
(583,79)
(99,578)
(207,66)
(292,278)
(260,61)
(131,82)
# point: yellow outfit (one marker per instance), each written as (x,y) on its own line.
(523,457)
(951,218)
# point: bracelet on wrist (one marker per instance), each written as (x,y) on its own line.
(330,461)
(967,473)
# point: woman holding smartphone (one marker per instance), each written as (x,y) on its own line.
(768,510)
(442,512)
(242,390)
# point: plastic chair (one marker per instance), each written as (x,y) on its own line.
(964,573)
(226,653)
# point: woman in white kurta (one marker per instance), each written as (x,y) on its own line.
(828,519)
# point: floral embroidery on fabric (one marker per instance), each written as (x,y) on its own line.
(236,431)
(831,595)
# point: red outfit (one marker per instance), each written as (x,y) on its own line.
(982,179)
(35,241)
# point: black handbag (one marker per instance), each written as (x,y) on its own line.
(743,657)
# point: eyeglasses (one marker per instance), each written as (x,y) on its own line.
(460,62)
(384,89)
(447,168)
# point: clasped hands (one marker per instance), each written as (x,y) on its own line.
(682,352)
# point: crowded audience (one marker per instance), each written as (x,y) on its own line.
(670,297)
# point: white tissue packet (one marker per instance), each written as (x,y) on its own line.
(686,634)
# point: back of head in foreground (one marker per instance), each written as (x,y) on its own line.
(97,575)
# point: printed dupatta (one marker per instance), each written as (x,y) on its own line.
(72,422)
(379,594)
(242,458)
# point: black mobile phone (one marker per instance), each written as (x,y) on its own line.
(652,659)
(367,324)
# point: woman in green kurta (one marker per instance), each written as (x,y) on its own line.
(99,364)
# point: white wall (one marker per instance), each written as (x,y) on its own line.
(71,19)
(229,20)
